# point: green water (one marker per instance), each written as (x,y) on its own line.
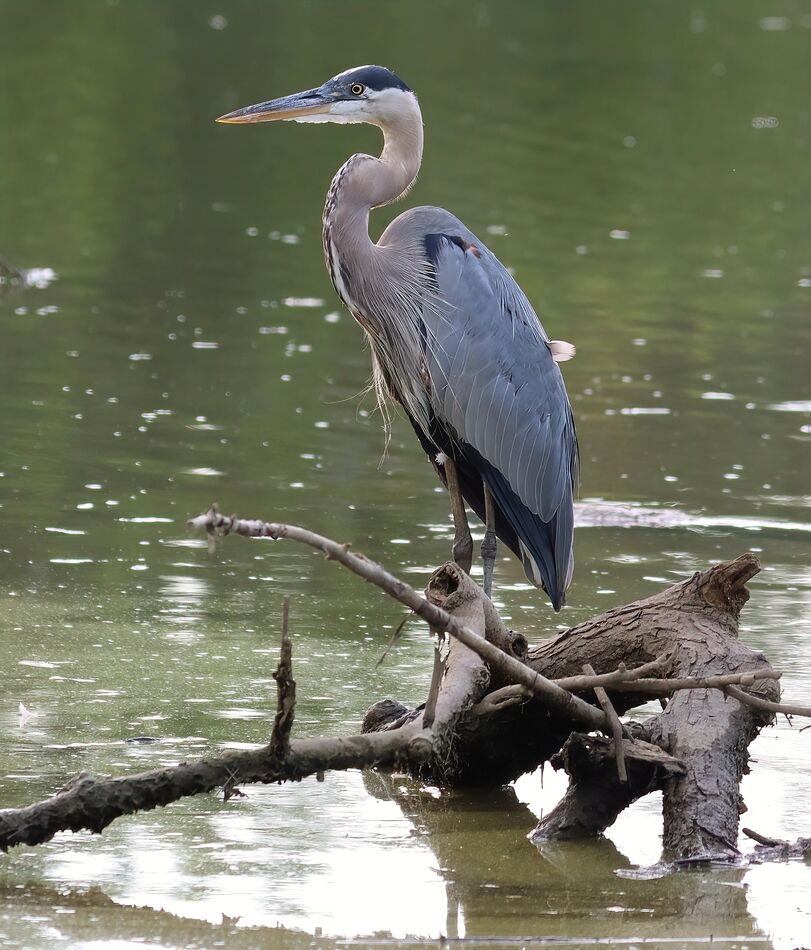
(645,170)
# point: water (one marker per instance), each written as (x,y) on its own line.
(645,172)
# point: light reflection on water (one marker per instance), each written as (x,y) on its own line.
(192,351)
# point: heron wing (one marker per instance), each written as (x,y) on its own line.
(500,403)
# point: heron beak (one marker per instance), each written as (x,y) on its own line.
(300,104)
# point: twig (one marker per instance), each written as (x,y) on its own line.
(394,638)
(763,839)
(616,726)
(656,687)
(559,700)
(635,681)
(230,790)
(621,675)
(286,690)
(433,690)
(788,709)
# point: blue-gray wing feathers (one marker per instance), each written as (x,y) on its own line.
(498,397)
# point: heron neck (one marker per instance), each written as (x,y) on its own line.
(401,157)
(365,182)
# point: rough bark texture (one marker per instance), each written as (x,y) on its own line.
(596,796)
(490,716)
(90,802)
(694,626)
(697,622)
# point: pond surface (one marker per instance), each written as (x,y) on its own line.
(645,170)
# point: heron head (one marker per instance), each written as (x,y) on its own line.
(371,94)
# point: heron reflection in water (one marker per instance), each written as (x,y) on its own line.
(454,340)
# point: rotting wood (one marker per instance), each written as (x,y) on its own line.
(596,794)
(696,623)
(686,635)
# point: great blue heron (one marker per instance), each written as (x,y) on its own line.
(454,340)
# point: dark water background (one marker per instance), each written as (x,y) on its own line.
(645,170)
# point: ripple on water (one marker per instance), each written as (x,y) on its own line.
(596,513)
(799,405)
(303,302)
(184,543)
(40,277)
(247,713)
(203,472)
(148,519)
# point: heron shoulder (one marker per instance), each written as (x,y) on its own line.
(414,225)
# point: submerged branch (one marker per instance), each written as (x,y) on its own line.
(90,802)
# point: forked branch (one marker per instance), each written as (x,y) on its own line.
(556,694)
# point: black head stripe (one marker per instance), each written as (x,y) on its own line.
(376,78)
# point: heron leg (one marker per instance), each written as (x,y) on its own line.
(490,542)
(462,541)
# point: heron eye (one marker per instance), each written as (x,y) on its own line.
(357,88)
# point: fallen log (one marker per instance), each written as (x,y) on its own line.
(497,708)
(695,624)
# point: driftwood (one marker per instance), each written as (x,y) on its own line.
(498,708)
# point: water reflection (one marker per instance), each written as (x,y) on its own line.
(493,874)
(186,596)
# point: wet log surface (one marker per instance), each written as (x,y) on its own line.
(702,735)
(708,732)
(498,708)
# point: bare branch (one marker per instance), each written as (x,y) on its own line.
(748,699)
(616,677)
(763,839)
(616,726)
(557,699)
(501,699)
(633,681)
(553,692)
(286,686)
(90,803)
